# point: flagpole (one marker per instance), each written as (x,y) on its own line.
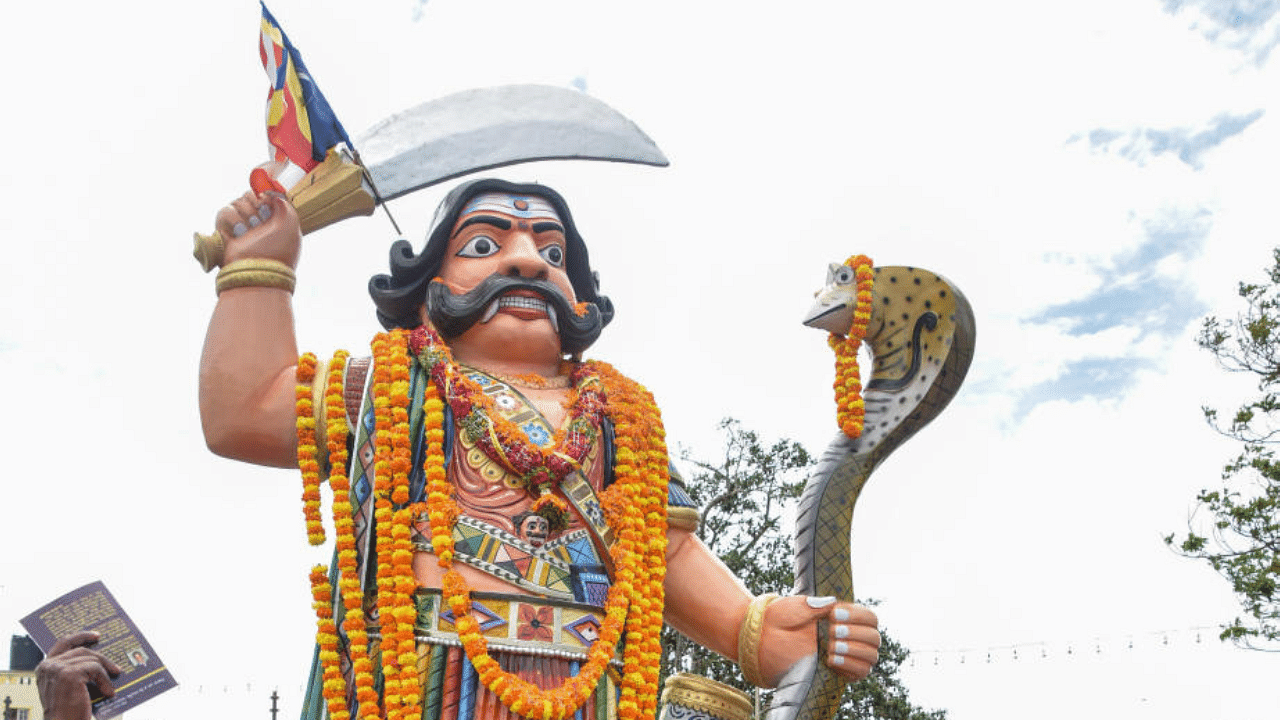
(376,196)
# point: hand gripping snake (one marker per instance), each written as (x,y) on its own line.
(921,339)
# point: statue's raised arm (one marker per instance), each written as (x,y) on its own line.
(247,381)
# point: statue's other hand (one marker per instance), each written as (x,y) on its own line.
(63,677)
(853,642)
(262,226)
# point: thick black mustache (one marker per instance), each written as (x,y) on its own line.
(454,314)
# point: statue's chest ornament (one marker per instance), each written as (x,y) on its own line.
(494,418)
(515,408)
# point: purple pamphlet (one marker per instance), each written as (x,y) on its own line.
(143,675)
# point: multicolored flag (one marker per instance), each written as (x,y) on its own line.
(300,124)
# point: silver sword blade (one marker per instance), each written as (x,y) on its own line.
(495,126)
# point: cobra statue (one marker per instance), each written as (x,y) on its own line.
(921,338)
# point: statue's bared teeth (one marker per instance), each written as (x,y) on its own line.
(521,301)
(490,311)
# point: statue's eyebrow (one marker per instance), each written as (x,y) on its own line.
(547,226)
(500,223)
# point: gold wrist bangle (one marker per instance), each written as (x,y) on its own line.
(256,272)
(749,639)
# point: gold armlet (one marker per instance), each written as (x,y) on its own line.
(683,518)
(256,272)
(317,405)
(749,638)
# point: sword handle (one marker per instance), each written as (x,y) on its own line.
(209,250)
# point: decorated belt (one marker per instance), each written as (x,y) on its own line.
(515,623)
(565,568)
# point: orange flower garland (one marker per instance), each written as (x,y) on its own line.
(308,453)
(633,602)
(327,640)
(634,505)
(538,467)
(334,684)
(392,450)
(850,409)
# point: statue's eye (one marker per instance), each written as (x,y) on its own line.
(553,254)
(478,247)
(844,275)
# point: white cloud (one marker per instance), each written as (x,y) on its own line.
(1189,145)
(1250,28)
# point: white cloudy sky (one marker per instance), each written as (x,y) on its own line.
(1095,176)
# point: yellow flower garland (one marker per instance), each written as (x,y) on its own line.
(308,453)
(634,601)
(850,409)
(634,506)
(392,450)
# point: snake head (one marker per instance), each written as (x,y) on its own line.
(834,304)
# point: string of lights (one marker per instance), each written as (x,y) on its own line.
(1082,649)
(921,659)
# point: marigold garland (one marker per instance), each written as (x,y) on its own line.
(335,684)
(634,601)
(308,453)
(850,409)
(392,449)
(638,501)
(634,505)
(538,467)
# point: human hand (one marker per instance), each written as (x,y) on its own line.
(790,623)
(260,226)
(63,677)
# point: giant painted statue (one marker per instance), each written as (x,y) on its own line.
(510,534)
(510,537)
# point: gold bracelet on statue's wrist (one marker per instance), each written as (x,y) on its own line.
(256,272)
(749,639)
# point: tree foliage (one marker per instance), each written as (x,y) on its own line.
(745,499)
(1241,537)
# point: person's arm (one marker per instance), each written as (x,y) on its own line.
(247,385)
(706,603)
(64,676)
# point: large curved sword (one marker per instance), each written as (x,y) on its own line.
(921,338)
(491,127)
(454,135)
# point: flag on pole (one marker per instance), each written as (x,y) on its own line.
(300,124)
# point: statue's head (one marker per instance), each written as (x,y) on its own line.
(498,253)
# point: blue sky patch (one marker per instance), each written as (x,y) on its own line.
(1133,293)
(1090,378)
(1188,144)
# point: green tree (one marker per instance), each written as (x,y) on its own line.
(1241,537)
(745,499)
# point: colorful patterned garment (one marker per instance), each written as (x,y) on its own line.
(541,636)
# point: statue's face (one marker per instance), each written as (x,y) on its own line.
(515,237)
